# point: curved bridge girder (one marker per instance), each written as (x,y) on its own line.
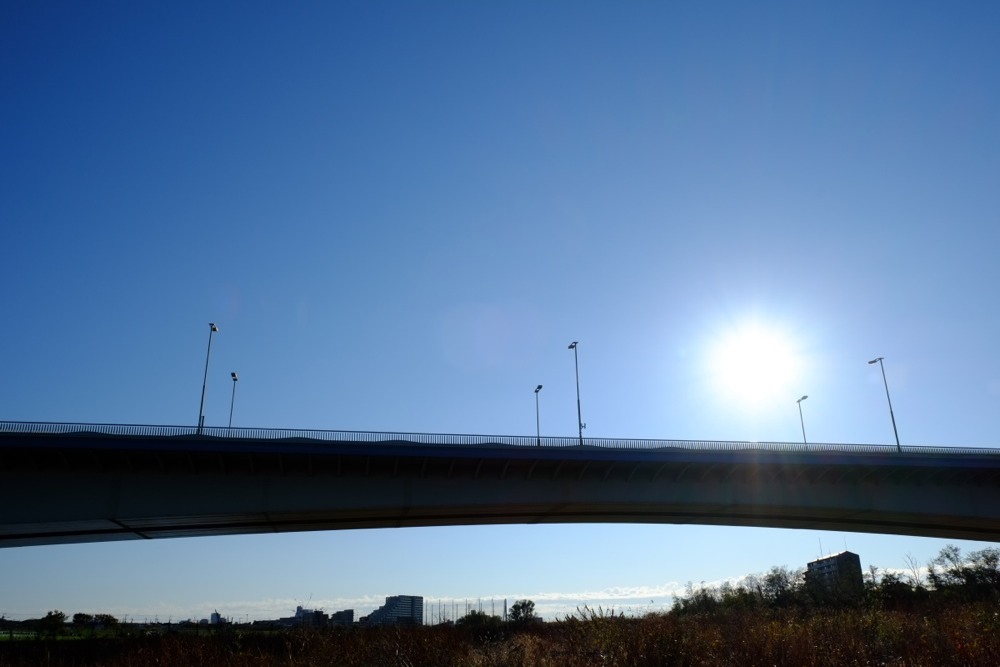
(61,489)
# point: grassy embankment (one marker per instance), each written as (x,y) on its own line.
(958,634)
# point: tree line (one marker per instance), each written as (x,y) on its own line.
(950,576)
(56,622)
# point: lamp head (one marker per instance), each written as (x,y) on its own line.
(235,377)
(876,360)
(572,346)
(538,388)
(802,399)
(213,328)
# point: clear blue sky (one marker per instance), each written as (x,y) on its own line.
(399,214)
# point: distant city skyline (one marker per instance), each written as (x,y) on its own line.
(631,602)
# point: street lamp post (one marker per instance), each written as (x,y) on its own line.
(801,420)
(201,409)
(538,423)
(232,401)
(579,414)
(886,383)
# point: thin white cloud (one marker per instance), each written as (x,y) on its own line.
(549,604)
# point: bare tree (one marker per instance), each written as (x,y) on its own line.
(915,571)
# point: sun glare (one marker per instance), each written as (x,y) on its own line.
(754,366)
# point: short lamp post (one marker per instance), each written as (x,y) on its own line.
(538,423)
(201,409)
(878,360)
(801,420)
(232,402)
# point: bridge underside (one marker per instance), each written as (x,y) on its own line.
(62,490)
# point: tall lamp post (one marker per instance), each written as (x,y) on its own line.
(579,414)
(878,360)
(538,423)
(201,409)
(232,402)
(802,421)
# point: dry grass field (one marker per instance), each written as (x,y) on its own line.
(958,634)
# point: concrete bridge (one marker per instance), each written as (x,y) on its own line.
(64,483)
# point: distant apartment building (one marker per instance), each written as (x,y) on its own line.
(308,618)
(342,618)
(839,574)
(397,610)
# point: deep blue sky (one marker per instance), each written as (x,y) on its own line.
(399,215)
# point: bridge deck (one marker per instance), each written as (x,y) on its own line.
(64,483)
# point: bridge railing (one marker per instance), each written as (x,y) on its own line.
(451,439)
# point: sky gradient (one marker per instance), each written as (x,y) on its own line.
(400,214)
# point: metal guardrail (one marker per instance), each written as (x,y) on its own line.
(375,438)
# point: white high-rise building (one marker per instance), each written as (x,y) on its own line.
(398,609)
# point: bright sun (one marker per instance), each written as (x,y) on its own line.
(754,365)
